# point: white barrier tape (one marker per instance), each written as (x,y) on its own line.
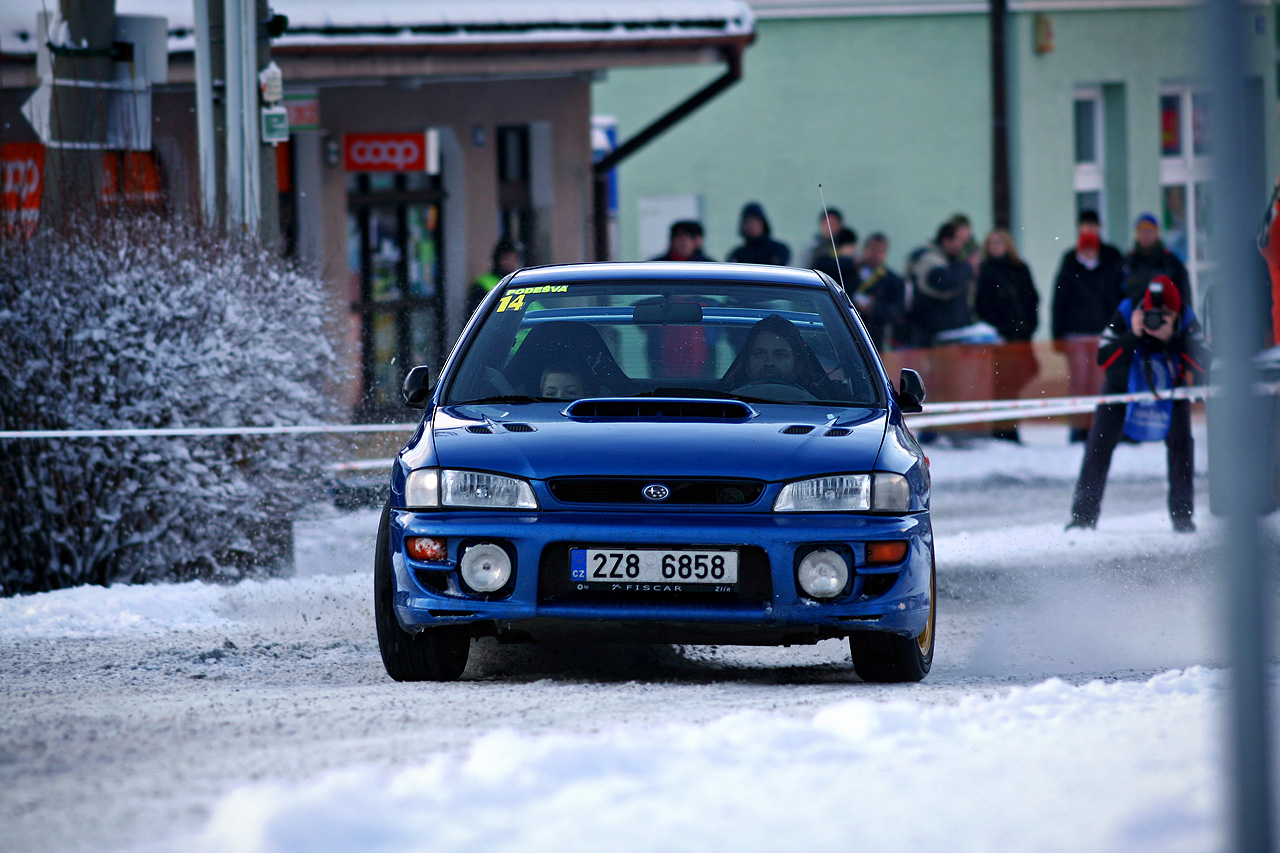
(953,414)
(174,432)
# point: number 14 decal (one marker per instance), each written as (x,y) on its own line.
(511,302)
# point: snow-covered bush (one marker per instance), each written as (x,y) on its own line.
(149,322)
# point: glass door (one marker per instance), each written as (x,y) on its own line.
(394,247)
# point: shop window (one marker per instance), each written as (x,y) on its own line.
(1186,170)
(517,219)
(1087,131)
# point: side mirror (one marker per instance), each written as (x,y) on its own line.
(417,387)
(910,391)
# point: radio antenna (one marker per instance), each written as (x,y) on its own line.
(835,253)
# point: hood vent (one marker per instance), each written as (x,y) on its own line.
(659,409)
(798,429)
(520,428)
(836,432)
(480,430)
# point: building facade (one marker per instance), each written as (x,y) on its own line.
(890,108)
(421,135)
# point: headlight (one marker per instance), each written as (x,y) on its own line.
(846,493)
(427,488)
(488,491)
(837,493)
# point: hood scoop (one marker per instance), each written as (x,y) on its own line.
(658,409)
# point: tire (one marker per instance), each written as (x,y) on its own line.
(889,658)
(433,654)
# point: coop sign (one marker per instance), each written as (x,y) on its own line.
(391,152)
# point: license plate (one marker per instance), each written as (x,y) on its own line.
(625,565)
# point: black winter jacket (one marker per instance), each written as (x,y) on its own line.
(759,250)
(1140,267)
(1084,299)
(1007,298)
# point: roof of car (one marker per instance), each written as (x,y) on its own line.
(660,270)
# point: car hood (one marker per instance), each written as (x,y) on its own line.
(540,441)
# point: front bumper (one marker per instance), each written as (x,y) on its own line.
(771,608)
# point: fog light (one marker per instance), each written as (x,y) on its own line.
(485,568)
(823,573)
(886,553)
(426,548)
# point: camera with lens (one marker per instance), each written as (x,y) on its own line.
(1153,317)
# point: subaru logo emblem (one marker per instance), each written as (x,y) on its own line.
(655,492)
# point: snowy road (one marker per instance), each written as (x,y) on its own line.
(1070,679)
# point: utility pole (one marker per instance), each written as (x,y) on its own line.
(269,212)
(83,53)
(238,171)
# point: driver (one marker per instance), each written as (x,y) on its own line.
(775,352)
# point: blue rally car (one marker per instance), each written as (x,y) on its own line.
(672,453)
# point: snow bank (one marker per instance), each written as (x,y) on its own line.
(158,609)
(1045,454)
(1099,767)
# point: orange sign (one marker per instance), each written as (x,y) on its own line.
(131,177)
(21,185)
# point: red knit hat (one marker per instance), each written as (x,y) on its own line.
(1170,297)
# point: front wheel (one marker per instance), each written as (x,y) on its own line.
(434,654)
(889,658)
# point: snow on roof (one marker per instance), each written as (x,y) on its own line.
(317,22)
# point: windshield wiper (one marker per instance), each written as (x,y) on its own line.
(513,399)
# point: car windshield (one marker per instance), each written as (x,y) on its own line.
(724,340)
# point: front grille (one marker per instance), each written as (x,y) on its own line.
(754,582)
(612,490)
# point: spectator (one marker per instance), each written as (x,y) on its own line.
(969,250)
(506,260)
(1152,343)
(880,294)
(941,281)
(760,247)
(1269,246)
(1088,287)
(843,266)
(830,221)
(699,237)
(684,243)
(1007,299)
(1149,258)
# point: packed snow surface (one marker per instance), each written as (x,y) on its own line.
(1077,703)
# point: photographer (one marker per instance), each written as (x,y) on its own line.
(1155,345)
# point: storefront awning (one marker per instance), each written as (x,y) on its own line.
(437,39)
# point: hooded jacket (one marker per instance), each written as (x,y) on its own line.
(759,250)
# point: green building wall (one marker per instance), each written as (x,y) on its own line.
(892,115)
(1130,55)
